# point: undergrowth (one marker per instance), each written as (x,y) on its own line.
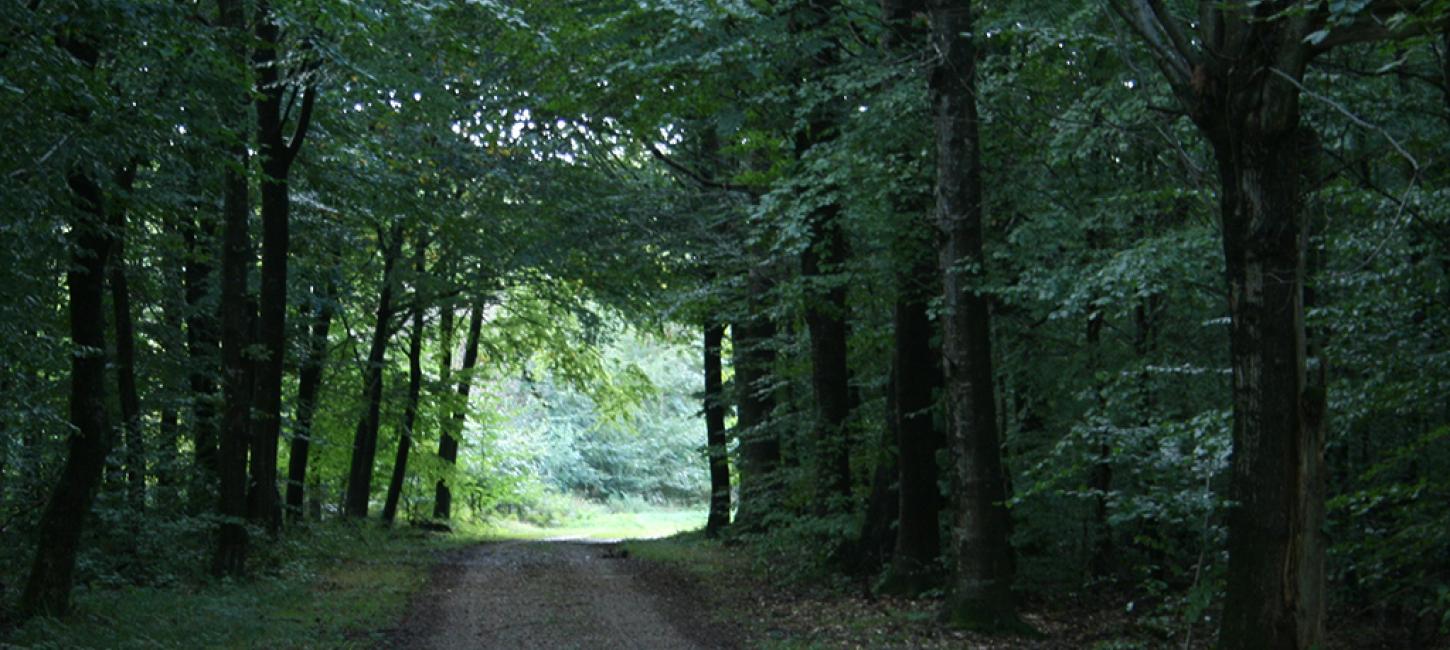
(333,585)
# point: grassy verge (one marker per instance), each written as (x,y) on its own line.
(598,526)
(332,586)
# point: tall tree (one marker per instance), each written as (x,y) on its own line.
(237,258)
(277,155)
(365,440)
(1240,79)
(201,347)
(309,383)
(415,388)
(719,516)
(981,588)
(125,330)
(916,374)
(448,442)
(822,263)
(47,590)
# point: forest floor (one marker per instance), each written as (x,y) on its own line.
(684,592)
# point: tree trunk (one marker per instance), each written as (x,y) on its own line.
(918,536)
(309,383)
(754,360)
(448,444)
(821,262)
(830,377)
(415,388)
(719,516)
(202,353)
(277,157)
(237,258)
(47,590)
(981,589)
(125,330)
(1276,544)
(365,440)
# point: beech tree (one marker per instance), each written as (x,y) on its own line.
(1239,75)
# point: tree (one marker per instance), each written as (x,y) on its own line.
(309,383)
(415,388)
(822,264)
(981,587)
(1241,81)
(277,154)
(125,330)
(236,314)
(719,516)
(365,440)
(448,441)
(47,591)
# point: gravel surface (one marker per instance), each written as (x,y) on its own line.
(556,595)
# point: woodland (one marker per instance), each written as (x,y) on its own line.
(975,302)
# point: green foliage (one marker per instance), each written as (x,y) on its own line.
(335,586)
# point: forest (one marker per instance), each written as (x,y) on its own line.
(1131,313)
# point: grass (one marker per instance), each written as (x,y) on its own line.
(332,586)
(599,525)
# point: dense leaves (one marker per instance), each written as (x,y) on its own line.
(596,180)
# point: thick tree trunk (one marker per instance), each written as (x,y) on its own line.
(1276,544)
(277,157)
(719,516)
(448,443)
(365,440)
(125,330)
(415,388)
(47,590)
(237,258)
(754,360)
(981,589)
(309,383)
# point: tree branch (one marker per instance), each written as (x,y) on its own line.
(1374,25)
(1144,21)
(304,121)
(696,176)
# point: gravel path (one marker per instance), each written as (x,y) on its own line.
(558,596)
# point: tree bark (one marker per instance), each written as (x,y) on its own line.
(448,443)
(1240,81)
(237,258)
(125,331)
(365,440)
(1276,544)
(415,388)
(309,383)
(918,376)
(47,590)
(277,156)
(719,516)
(981,590)
(201,347)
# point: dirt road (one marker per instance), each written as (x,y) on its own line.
(558,596)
